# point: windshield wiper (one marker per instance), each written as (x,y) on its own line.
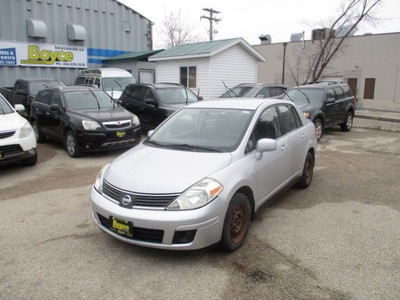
(97,100)
(308,99)
(193,147)
(228,90)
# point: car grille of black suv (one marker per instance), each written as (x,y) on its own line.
(11,149)
(6,134)
(117,124)
(141,200)
(139,234)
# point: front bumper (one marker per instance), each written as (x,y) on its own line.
(111,139)
(173,230)
(14,149)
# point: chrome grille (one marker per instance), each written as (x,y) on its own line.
(6,134)
(140,200)
(117,124)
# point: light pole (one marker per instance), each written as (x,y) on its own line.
(283,64)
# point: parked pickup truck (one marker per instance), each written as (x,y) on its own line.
(25,90)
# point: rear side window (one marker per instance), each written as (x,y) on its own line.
(347,91)
(339,92)
(289,118)
(44,97)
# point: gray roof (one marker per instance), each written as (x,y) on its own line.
(204,49)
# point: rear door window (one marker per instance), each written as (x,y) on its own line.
(339,92)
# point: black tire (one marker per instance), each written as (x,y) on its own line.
(348,122)
(39,136)
(31,161)
(308,171)
(319,127)
(72,145)
(237,223)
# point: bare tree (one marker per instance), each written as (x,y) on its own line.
(324,50)
(177,31)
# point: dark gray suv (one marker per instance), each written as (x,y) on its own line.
(326,104)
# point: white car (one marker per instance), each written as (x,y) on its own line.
(199,178)
(17,138)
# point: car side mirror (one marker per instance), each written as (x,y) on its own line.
(151,102)
(55,107)
(265,145)
(19,108)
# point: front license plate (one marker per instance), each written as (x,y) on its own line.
(120,134)
(122,227)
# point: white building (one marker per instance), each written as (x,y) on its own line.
(208,67)
(370,64)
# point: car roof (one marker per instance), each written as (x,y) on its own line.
(260,84)
(69,88)
(39,79)
(243,103)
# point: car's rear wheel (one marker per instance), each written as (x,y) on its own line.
(308,171)
(72,145)
(237,223)
(318,128)
(348,123)
(38,134)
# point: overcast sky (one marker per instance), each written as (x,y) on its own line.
(251,18)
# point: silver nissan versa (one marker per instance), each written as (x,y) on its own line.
(198,179)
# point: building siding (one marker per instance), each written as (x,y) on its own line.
(111,29)
(368,56)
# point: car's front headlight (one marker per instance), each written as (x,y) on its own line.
(198,195)
(90,125)
(25,130)
(98,185)
(307,114)
(135,121)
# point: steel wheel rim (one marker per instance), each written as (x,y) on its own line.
(70,144)
(238,224)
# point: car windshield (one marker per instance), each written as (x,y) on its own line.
(36,87)
(238,91)
(87,99)
(116,83)
(176,95)
(304,96)
(203,129)
(5,108)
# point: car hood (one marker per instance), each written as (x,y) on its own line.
(308,107)
(105,114)
(145,169)
(11,122)
(114,94)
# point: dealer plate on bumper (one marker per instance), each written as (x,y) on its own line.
(122,227)
(120,134)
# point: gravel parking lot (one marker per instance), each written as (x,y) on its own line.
(339,239)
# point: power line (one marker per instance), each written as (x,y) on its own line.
(211,19)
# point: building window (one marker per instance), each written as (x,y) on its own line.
(188,76)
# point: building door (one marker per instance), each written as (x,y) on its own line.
(352,82)
(369,88)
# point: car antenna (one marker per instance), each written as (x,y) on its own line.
(229,89)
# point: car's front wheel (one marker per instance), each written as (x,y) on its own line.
(318,128)
(308,171)
(72,145)
(237,223)
(348,123)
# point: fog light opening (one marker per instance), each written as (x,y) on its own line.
(184,237)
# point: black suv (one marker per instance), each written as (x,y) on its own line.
(84,118)
(257,90)
(153,103)
(326,104)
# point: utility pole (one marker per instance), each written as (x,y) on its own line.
(211,19)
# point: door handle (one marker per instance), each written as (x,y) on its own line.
(284,147)
(303,135)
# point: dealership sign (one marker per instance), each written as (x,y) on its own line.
(42,55)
